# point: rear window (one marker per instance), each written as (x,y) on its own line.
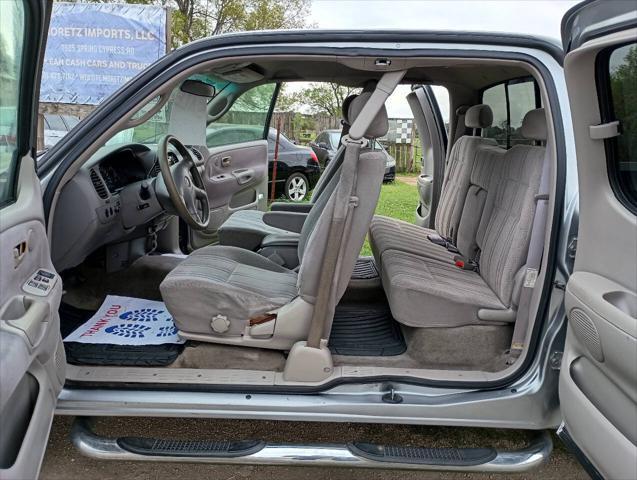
(510,101)
(618,98)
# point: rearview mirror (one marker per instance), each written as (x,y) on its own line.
(200,89)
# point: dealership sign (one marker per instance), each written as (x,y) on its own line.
(93,49)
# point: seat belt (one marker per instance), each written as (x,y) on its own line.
(533,264)
(344,203)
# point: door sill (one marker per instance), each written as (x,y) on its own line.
(200,378)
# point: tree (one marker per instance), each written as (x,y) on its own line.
(623,79)
(285,101)
(324,98)
(194,19)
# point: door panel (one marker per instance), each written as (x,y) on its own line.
(236,178)
(432,134)
(598,378)
(32,361)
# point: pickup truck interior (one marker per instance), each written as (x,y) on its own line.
(155,213)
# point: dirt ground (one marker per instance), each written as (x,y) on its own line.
(408,179)
(63,462)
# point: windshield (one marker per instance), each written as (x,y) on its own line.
(159,123)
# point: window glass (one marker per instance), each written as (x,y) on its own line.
(510,102)
(54,122)
(70,121)
(322,138)
(495,97)
(246,119)
(335,138)
(622,80)
(150,131)
(441,95)
(521,101)
(11,44)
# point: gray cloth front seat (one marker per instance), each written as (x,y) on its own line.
(248,228)
(220,293)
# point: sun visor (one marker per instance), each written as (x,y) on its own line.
(188,117)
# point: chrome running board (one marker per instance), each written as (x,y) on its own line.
(362,455)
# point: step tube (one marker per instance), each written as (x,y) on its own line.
(318,455)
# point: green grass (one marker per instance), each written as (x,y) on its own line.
(397,200)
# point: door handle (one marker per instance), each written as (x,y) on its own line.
(226,161)
(243,175)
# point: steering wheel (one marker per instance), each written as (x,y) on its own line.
(184,184)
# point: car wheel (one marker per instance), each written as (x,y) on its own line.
(296,187)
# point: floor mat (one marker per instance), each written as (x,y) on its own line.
(366,330)
(365,269)
(71,318)
(128,321)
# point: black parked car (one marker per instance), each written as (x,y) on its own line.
(297,169)
(326,145)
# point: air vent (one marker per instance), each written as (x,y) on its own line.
(100,188)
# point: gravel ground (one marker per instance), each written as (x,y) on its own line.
(63,462)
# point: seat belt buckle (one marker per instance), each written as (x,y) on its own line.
(465,264)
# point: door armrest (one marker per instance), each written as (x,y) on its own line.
(291,207)
(290,221)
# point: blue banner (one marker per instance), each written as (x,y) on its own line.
(94,48)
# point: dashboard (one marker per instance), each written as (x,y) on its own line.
(110,199)
(121,169)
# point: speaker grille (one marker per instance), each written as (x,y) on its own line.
(586,331)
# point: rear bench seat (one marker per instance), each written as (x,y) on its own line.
(425,288)
(464,174)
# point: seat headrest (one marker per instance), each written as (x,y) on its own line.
(345,107)
(478,116)
(534,125)
(380,124)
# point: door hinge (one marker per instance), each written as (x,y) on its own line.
(555,360)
